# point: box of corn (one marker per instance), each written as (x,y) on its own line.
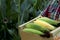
(40,28)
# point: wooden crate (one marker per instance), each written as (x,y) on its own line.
(55,34)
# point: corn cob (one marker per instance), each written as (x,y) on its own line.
(44,24)
(36,27)
(50,21)
(33,31)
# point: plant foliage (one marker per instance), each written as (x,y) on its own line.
(15,12)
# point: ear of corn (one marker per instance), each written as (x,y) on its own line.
(33,31)
(50,21)
(44,24)
(37,27)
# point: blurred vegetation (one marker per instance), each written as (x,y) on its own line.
(9,10)
(17,12)
(31,9)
